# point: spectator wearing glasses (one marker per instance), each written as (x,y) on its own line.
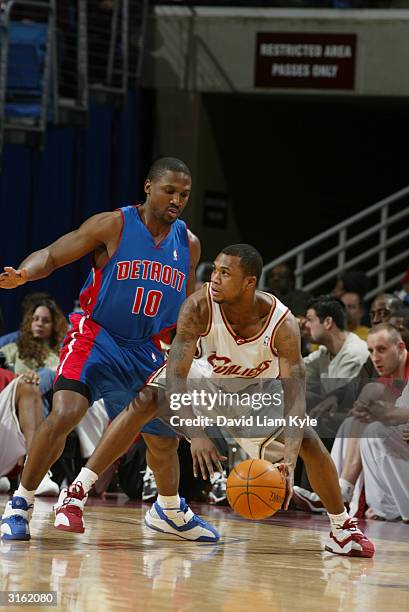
(383,308)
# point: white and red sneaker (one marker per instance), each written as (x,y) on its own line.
(69,509)
(307,500)
(349,540)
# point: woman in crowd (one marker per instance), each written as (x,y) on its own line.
(42,330)
(37,350)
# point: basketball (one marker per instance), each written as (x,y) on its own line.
(256,489)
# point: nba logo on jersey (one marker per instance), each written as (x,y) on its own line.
(153,356)
(266,341)
(175,255)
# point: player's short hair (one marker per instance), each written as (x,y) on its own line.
(165,164)
(394,334)
(330,306)
(250,259)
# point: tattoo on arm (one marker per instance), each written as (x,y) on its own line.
(192,322)
(292,374)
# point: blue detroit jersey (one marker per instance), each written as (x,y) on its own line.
(139,291)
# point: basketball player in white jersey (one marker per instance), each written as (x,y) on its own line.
(246,335)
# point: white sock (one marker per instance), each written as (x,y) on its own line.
(337,520)
(28,495)
(169,501)
(87,478)
(347,489)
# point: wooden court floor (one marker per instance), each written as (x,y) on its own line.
(273,565)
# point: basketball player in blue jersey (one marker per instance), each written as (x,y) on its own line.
(144,261)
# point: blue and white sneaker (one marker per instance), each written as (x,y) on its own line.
(15,520)
(180,522)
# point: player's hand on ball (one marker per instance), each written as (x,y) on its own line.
(205,457)
(287,471)
(11,278)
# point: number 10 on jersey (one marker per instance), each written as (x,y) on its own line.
(151,302)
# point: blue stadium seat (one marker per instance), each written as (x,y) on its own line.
(28,82)
(25,74)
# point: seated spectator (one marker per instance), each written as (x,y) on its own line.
(355,313)
(20,417)
(280,282)
(38,344)
(335,406)
(351,281)
(333,409)
(391,361)
(385,459)
(42,331)
(331,367)
(383,308)
(385,453)
(26,303)
(341,354)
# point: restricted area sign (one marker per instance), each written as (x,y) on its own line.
(305,60)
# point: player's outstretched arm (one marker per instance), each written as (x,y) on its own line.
(292,375)
(102,230)
(192,323)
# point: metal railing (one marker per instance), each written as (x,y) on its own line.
(72,37)
(116,47)
(374,241)
(293,4)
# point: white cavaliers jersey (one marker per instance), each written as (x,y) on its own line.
(231,356)
(228,364)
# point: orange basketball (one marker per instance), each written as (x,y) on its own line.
(255,489)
